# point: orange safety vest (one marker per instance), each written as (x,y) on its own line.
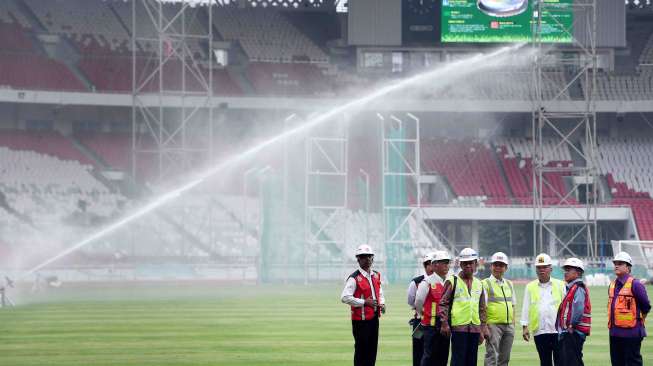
(363,291)
(430,310)
(625,309)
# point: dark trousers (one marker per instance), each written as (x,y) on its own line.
(417,344)
(436,348)
(464,348)
(571,349)
(366,339)
(547,349)
(626,351)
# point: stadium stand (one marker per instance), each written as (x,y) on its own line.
(44,176)
(22,66)
(10,14)
(42,142)
(516,159)
(46,188)
(626,164)
(468,165)
(266,36)
(94,28)
(113,148)
(287,79)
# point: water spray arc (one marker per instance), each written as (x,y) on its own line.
(443,75)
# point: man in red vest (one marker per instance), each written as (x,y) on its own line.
(628,305)
(429,294)
(412,293)
(364,295)
(574,318)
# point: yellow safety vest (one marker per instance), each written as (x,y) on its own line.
(464,309)
(533,289)
(499,301)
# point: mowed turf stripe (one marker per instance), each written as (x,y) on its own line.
(270,325)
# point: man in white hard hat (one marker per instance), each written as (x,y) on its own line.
(412,292)
(363,293)
(628,305)
(500,312)
(574,318)
(462,311)
(429,294)
(538,315)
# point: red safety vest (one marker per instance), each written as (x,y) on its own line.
(430,311)
(564,311)
(625,309)
(363,291)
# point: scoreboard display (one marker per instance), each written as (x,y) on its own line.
(504,21)
(420,21)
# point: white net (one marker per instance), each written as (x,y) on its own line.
(641,251)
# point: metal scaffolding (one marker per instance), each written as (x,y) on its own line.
(172,62)
(326,191)
(403,221)
(556,129)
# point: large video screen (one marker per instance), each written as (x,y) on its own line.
(483,21)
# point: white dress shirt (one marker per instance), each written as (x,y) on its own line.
(347,295)
(547,313)
(410,294)
(423,291)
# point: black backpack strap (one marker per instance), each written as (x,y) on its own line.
(418,279)
(355,274)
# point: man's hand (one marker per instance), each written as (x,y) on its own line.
(382,308)
(525,333)
(485,334)
(371,302)
(445,330)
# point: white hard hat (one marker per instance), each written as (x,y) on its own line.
(500,257)
(467,255)
(364,249)
(441,255)
(574,262)
(623,257)
(543,259)
(427,257)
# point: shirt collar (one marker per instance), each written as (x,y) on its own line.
(579,279)
(435,278)
(623,278)
(496,279)
(545,284)
(365,273)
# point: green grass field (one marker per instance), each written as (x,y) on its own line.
(205,324)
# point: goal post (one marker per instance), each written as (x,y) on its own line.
(641,251)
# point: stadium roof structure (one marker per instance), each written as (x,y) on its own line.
(289,4)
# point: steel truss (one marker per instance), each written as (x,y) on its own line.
(326,191)
(403,222)
(567,128)
(172,56)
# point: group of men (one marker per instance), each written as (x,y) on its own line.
(455,313)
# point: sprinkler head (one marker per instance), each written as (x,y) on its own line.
(502,8)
